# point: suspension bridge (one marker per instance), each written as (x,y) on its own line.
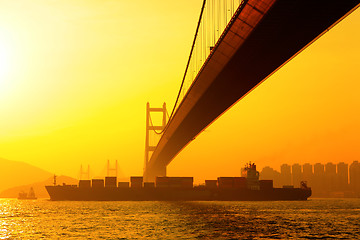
(237,45)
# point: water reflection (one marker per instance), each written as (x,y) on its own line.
(179,220)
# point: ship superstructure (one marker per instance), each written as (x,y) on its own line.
(251,175)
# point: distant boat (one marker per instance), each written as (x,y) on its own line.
(30,195)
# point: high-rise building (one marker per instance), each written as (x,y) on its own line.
(355,177)
(330,177)
(268,173)
(285,175)
(342,176)
(296,174)
(319,184)
(307,173)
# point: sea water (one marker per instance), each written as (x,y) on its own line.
(312,219)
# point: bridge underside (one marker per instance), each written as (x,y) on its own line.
(245,56)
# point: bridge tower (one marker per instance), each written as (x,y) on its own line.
(109,169)
(149,175)
(83,172)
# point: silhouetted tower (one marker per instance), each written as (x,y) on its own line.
(83,172)
(342,176)
(355,177)
(319,186)
(285,174)
(330,176)
(114,169)
(296,174)
(150,127)
(307,174)
(268,173)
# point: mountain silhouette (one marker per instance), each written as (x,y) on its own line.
(13,173)
(39,187)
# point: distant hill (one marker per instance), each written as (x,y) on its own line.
(14,173)
(39,187)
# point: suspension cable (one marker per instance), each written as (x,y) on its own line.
(151,123)
(186,69)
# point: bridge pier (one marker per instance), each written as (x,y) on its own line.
(151,173)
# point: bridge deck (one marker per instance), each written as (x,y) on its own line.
(261,38)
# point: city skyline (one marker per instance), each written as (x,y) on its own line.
(326,180)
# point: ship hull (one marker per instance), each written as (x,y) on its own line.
(74,193)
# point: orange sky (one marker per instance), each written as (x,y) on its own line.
(75,77)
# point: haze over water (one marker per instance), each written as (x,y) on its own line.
(74,80)
(314,219)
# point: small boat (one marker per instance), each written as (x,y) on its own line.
(30,195)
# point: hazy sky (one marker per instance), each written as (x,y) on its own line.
(75,77)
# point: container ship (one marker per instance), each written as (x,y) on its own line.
(248,187)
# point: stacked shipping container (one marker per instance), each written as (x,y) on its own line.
(123,184)
(136,182)
(231,182)
(110,182)
(97,183)
(211,183)
(174,182)
(149,184)
(85,184)
(266,184)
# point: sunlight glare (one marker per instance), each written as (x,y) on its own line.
(5,59)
